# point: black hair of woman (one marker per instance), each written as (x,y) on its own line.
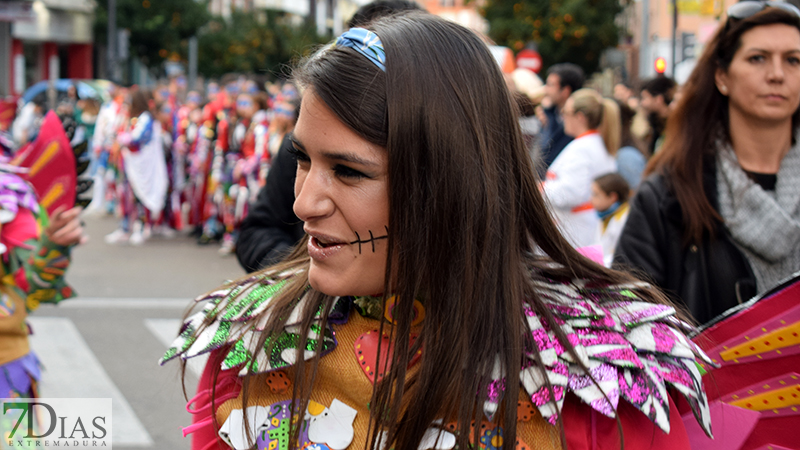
(380,8)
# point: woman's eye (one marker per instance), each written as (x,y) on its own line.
(793,60)
(347,172)
(756,58)
(298,154)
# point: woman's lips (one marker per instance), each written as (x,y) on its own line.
(319,251)
(775,97)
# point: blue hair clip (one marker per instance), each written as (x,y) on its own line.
(365,42)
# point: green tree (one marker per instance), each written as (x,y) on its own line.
(576,31)
(266,42)
(158,28)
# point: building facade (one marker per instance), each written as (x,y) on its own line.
(462,12)
(651,33)
(44,39)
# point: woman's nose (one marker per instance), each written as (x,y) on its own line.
(776,72)
(312,195)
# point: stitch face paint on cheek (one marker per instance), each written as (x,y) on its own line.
(371,239)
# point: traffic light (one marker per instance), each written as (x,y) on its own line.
(687,46)
(661,65)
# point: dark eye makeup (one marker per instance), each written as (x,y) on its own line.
(298,154)
(340,170)
(348,172)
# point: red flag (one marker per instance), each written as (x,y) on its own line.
(51,165)
(8,110)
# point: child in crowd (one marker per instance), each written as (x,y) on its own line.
(610,200)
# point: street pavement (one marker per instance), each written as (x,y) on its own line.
(106,343)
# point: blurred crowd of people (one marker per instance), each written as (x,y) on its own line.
(167,160)
(591,151)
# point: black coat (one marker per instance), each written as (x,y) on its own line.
(271,228)
(708,277)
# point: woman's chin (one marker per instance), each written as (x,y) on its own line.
(336,287)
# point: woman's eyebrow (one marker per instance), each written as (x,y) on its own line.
(296,141)
(338,155)
(348,157)
(763,50)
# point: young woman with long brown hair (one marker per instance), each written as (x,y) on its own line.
(718,221)
(431,280)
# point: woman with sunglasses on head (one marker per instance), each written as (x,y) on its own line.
(718,221)
(433,302)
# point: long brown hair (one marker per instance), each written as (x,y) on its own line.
(700,119)
(140,102)
(468,225)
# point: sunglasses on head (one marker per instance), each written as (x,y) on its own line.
(749,8)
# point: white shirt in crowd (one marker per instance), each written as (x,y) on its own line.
(568,187)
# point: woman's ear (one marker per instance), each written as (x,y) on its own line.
(721,80)
(614,196)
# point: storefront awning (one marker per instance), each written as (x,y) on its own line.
(86,6)
(11,11)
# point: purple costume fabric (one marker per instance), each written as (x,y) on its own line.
(17,377)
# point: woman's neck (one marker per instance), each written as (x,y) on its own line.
(760,146)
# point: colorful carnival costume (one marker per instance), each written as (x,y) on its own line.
(144,181)
(633,349)
(32,272)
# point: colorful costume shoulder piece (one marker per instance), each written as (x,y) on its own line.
(631,348)
(221,323)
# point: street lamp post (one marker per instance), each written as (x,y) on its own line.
(644,45)
(112,40)
(674,35)
(312,13)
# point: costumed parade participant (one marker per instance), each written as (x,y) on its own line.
(170,218)
(38,228)
(247,149)
(200,163)
(219,169)
(189,121)
(144,189)
(106,128)
(431,279)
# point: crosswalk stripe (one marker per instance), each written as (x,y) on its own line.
(166,330)
(69,362)
(123,303)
